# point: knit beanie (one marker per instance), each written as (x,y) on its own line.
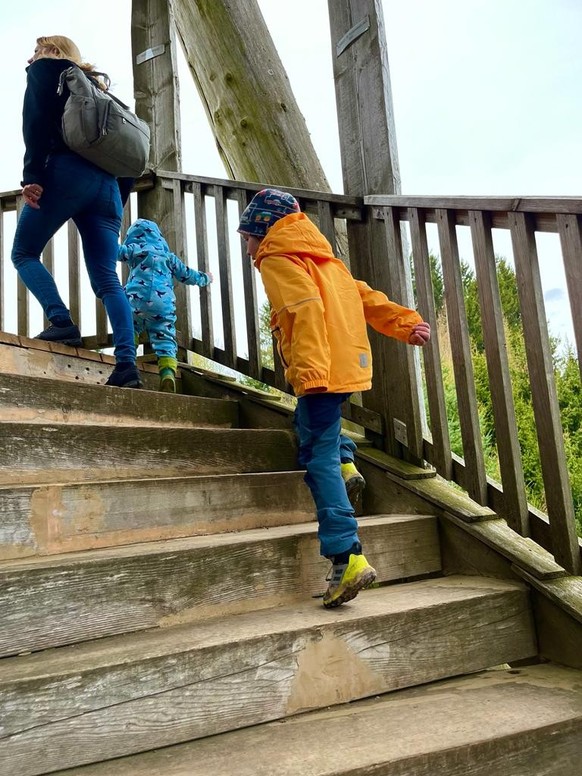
(265,208)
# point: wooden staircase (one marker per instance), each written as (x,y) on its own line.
(160,606)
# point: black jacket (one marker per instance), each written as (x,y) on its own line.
(41,116)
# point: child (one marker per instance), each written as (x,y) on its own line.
(150,291)
(319,315)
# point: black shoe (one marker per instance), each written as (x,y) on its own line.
(66,335)
(125,375)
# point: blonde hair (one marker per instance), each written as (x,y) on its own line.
(64,48)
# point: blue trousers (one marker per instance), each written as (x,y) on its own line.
(77,189)
(321,446)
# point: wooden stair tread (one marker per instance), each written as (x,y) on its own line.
(471,726)
(86,595)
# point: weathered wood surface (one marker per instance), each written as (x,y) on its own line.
(570,230)
(514,495)
(35,452)
(450,730)
(41,400)
(48,602)
(476,484)
(51,519)
(521,551)
(432,359)
(558,492)
(260,132)
(503,204)
(119,696)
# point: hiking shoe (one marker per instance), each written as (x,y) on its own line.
(66,335)
(125,375)
(167,380)
(354,482)
(347,579)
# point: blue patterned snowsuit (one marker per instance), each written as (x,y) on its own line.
(150,287)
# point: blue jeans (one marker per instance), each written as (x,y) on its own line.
(318,427)
(77,189)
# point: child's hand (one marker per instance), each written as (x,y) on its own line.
(211,277)
(420,334)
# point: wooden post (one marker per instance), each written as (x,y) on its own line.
(157,102)
(260,132)
(370,166)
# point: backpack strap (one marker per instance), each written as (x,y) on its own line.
(90,76)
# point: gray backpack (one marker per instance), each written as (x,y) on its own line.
(100,128)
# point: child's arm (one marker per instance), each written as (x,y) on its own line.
(392,319)
(122,253)
(190,277)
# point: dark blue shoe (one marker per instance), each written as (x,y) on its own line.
(66,335)
(125,375)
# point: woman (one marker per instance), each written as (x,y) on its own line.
(57,185)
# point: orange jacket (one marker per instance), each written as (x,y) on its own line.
(319,311)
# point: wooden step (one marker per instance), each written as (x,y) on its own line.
(48,602)
(57,452)
(122,695)
(50,519)
(525,722)
(41,400)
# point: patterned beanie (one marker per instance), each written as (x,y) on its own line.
(265,208)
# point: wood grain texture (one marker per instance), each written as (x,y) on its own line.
(51,519)
(35,452)
(449,730)
(514,495)
(81,596)
(476,484)
(119,696)
(558,492)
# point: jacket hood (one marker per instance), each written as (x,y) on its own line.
(146,234)
(297,237)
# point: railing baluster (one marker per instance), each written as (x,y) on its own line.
(570,230)
(545,402)
(203,266)
(441,455)
(515,502)
(74,274)
(21,290)
(476,483)
(327,223)
(184,324)
(251,304)
(226,291)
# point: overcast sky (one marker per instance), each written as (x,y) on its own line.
(487,93)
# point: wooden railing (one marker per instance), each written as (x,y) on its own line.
(222,323)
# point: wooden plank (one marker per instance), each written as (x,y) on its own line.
(462,362)
(22,297)
(53,519)
(153,581)
(203,260)
(226,288)
(364,417)
(56,452)
(327,224)
(432,359)
(505,204)
(449,730)
(558,492)
(113,698)
(179,245)
(74,273)
(570,231)
(405,387)
(251,303)
(521,551)
(514,496)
